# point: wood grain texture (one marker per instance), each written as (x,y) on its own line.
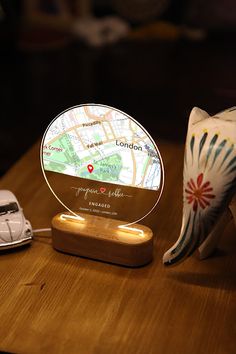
(56,303)
(101,239)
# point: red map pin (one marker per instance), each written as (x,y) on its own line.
(90,168)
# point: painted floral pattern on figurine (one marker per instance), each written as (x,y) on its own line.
(198,193)
(209,180)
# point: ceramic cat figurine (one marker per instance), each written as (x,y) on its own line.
(209,183)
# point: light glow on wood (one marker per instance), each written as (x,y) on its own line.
(132,230)
(71,217)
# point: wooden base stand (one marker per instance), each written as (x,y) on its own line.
(103,239)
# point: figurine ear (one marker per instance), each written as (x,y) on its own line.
(197,115)
(228,114)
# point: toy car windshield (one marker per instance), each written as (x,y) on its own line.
(9,208)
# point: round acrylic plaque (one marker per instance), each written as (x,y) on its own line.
(102,164)
(98,160)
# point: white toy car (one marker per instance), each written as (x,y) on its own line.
(15,230)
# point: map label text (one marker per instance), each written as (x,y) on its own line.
(128,146)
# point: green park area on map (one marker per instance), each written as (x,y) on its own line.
(62,155)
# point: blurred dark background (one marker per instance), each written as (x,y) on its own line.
(153,59)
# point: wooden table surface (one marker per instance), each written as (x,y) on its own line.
(56,303)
